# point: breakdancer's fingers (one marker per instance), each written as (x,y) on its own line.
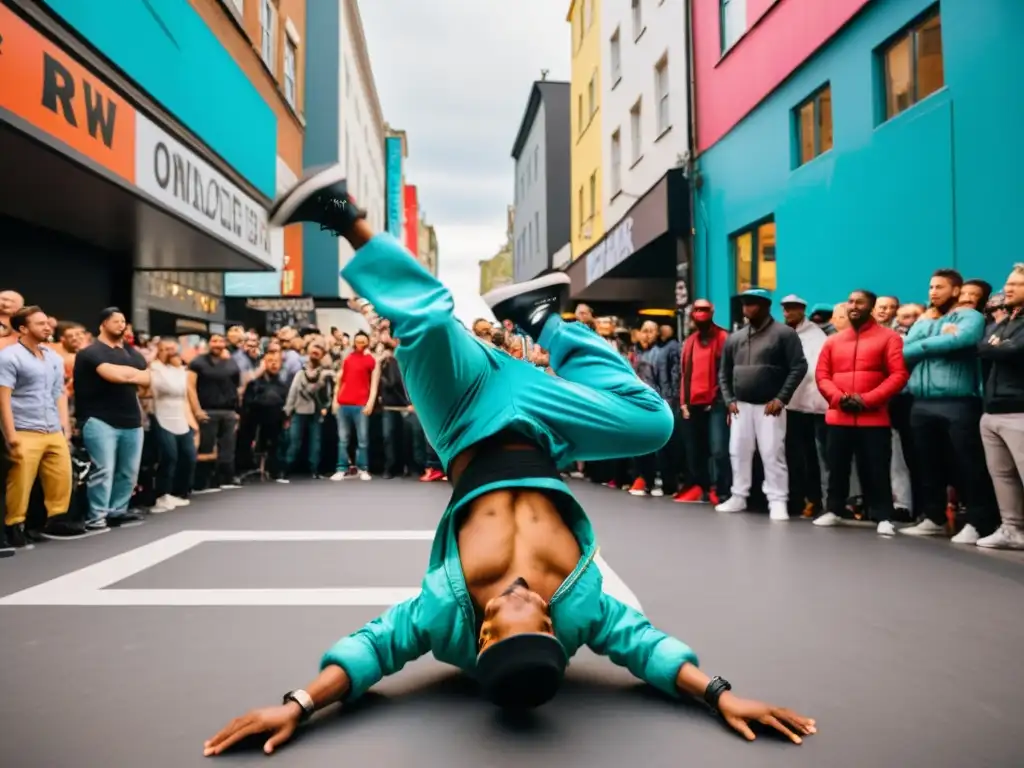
(739,724)
(280,737)
(803,724)
(775,723)
(246,729)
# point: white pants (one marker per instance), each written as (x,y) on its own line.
(752,430)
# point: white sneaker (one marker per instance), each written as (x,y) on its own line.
(885,528)
(968,535)
(177,501)
(657,492)
(1005,537)
(925,528)
(828,520)
(165,502)
(339,476)
(732,504)
(778,511)
(364,475)
(159,508)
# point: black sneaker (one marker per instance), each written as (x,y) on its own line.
(528,305)
(124,520)
(321,197)
(16,537)
(60,529)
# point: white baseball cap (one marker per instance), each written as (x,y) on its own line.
(793,299)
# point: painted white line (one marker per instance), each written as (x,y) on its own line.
(616,587)
(356,596)
(89,586)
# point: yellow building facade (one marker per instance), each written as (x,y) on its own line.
(587,208)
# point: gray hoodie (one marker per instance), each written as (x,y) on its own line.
(762,365)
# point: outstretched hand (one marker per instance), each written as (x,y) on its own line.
(279,722)
(739,713)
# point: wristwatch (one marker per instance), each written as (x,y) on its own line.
(304,700)
(714,691)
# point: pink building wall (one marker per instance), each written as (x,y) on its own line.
(781,35)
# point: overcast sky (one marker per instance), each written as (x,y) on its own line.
(456,74)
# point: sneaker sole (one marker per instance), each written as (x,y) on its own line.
(506,292)
(77,536)
(283,209)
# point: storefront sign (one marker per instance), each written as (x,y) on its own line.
(393,162)
(46,87)
(180,180)
(615,248)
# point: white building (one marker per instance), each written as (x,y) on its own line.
(361,127)
(644,82)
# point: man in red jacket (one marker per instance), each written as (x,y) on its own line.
(707,425)
(860,369)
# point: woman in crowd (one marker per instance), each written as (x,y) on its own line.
(175,427)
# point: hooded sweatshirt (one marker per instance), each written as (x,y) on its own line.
(807,398)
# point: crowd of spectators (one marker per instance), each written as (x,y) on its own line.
(869,410)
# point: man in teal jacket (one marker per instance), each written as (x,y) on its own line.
(945,382)
(511,590)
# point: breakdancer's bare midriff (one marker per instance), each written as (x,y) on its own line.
(514,533)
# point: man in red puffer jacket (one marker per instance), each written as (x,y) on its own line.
(860,369)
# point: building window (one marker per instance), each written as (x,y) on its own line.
(616,163)
(536,162)
(661,95)
(732,21)
(268,32)
(579,114)
(635,128)
(536,227)
(913,65)
(616,57)
(290,89)
(592,94)
(593,194)
(638,19)
(580,27)
(239,6)
(588,13)
(814,125)
(754,257)
(583,212)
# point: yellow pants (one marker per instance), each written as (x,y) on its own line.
(46,456)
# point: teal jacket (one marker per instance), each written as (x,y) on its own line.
(945,364)
(442,619)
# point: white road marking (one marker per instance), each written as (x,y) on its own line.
(89,586)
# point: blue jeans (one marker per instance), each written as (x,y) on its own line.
(707,448)
(177,462)
(116,454)
(352,419)
(309,424)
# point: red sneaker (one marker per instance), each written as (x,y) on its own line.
(431,476)
(639,487)
(692,495)
(713,498)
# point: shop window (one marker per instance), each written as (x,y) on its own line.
(754,257)
(732,22)
(913,67)
(814,125)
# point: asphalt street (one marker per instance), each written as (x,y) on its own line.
(131,648)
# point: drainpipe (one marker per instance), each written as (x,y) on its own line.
(691,143)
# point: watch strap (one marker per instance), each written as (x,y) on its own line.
(303,699)
(714,691)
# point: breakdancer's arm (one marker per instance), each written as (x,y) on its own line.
(628,638)
(347,671)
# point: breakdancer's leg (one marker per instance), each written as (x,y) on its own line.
(464,390)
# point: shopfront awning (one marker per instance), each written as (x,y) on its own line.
(78,157)
(638,260)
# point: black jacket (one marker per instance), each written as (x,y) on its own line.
(1004,385)
(668,372)
(761,365)
(265,395)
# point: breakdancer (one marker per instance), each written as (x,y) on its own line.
(511,590)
